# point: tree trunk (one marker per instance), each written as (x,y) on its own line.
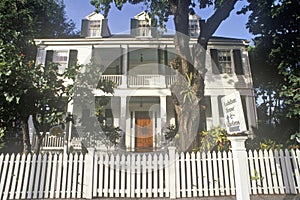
(188,91)
(26,138)
(38,135)
(39,140)
(190,112)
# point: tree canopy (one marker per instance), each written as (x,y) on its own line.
(275,62)
(25,88)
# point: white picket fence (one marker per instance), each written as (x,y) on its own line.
(144,175)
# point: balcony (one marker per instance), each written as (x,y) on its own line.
(141,81)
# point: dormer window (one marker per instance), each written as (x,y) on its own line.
(94,28)
(141,25)
(144,28)
(194,25)
(95,25)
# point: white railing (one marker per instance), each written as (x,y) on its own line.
(153,175)
(146,81)
(115,78)
(134,81)
(52,143)
(170,79)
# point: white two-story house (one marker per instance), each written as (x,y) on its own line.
(138,62)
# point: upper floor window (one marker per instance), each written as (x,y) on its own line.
(194,28)
(61,58)
(94,28)
(64,59)
(226,61)
(143,28)
(140,25)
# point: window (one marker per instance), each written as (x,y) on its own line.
(61,58)
(194,28)
(226,61)
(224,58)
(64,59)
(144,29)
(94,28)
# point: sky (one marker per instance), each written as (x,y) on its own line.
(119,21)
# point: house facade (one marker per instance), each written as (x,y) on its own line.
(138,63)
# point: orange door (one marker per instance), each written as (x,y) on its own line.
(144,131)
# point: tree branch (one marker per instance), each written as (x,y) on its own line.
(209,27)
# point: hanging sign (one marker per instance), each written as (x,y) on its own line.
(233,113)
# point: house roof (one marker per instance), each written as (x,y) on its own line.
(94,16)
(142,16)
(128,39)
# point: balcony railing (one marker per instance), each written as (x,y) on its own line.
(115,78)
(141,81)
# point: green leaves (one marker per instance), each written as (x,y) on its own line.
(188,91)
(25,88)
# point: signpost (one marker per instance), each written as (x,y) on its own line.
(233,113)
(236,126)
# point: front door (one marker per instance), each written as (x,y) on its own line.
(144,131)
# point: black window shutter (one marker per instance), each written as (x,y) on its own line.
(72,58)
(214,61)
(85,28)
(134,27)
(237,58)
(243,99)
(49,58)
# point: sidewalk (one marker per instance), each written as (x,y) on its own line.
(253,197)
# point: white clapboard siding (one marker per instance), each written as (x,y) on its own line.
(52,175)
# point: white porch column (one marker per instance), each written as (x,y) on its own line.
(122,122)
(69,123)
(163,118)
(215,111)
(124,67)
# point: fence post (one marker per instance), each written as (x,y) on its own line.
(172,175)
(88,173)
(240,165)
